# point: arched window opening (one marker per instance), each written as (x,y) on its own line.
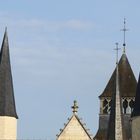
(105,102)
(105,106)
(125,105)
(131,104)
(109,108)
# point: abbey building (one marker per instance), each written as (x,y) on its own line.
(119,117)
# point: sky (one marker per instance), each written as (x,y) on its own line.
(63,51)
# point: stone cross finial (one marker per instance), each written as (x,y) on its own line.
(75,107)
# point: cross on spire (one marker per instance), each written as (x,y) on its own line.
(117,51)
(124,34)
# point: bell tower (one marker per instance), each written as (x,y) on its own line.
(127,89)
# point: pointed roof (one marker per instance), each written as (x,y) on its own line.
(136,110)
(74,129)
(115,125)
(128,81)
(7,101)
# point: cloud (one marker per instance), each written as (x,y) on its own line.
(76,24)
(17,22)
(55,25)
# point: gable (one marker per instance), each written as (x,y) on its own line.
(74,131)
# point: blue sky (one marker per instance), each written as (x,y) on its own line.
(62,51)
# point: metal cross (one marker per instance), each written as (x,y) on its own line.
(124,33)
(117,51)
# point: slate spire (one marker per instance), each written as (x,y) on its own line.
(115,126)
(136,110)
(128,81)
(7,101)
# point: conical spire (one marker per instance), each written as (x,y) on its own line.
(115,127)
(7,101)
(136,111)
(128,81)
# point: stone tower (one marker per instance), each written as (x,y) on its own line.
(8,115)
(74,129)
(127,86)
(136,115)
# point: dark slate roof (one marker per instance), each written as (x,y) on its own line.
(128,81)
(136,111)
(101,134)
(7,101)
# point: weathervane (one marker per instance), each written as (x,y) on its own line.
(124,34)
(117,51)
